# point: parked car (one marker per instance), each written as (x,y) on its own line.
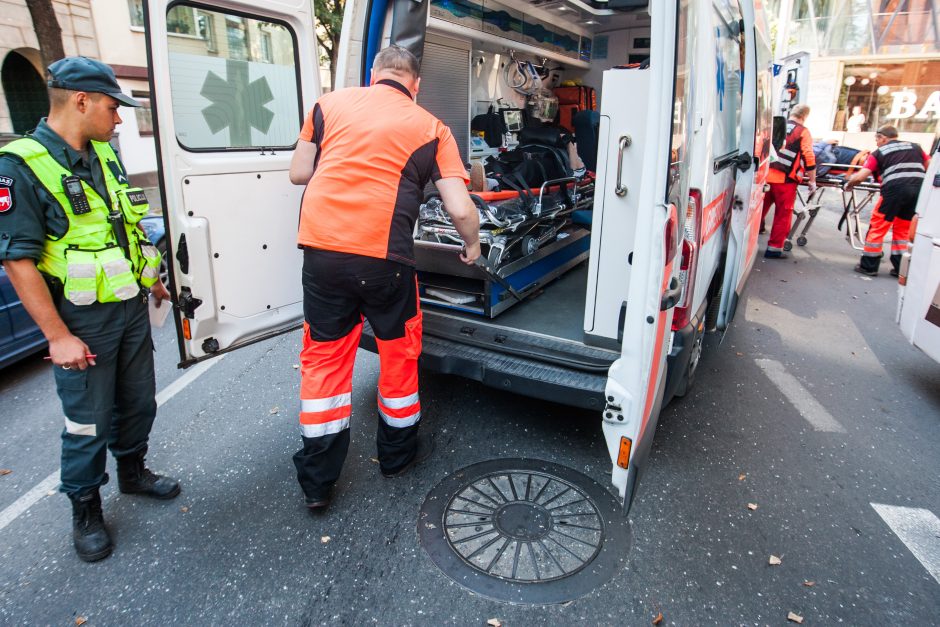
(19,335)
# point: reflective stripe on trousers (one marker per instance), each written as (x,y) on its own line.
(326,370)
(877,230)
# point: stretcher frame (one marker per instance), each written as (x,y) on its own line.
(524,253)
(853,202)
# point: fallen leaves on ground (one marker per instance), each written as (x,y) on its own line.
(774,560)
(274,410)
(5,471)
(494,622)
(809,584)
(81,620)
(740,354)
(742,477)
(752,506)
(374,460)
(795,618)
(658,619)
(325,539)
(184,509)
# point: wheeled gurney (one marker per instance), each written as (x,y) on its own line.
(853,202)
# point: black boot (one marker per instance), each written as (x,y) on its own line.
(91,539)
(135,478)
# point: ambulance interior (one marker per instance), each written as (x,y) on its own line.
(552,79)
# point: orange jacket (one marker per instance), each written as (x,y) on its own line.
(376,152)
(799,143)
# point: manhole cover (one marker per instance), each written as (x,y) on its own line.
(524,531)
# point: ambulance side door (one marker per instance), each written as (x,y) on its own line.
(230,85)
(754,155)
(634,183)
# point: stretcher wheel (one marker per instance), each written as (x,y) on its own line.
(801,241)
(529,245)
(788,245)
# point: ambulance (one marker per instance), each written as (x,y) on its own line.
(615,319)
(919,282)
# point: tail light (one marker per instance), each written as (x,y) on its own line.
(691,232)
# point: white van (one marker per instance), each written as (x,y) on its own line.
(919,290)
(682,154)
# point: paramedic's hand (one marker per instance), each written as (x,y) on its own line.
(159,293)
(811,186)
(469,254)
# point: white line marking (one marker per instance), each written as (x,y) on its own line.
(800,397)
(20,505)
(919,530)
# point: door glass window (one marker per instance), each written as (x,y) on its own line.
(729,43)
(233,81)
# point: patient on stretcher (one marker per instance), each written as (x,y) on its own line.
(543,154)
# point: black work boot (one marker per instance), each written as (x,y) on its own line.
(135,478)
(91,539)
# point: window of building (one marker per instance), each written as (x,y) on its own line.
(181,20)
(223,89)
(143,113)
(902,94)
(237,36)
(136,9)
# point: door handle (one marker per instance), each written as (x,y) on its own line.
(625,141)
(671,295)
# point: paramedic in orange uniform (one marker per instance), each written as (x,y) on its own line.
(365,155)
(786,173)
(900,168)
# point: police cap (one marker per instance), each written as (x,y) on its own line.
(84,74)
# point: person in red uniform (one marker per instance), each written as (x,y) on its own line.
(786,172)
(365,155)
(900,168)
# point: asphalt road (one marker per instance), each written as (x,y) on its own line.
(813,408)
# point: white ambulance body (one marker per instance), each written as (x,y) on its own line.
(919,291)
(683,151)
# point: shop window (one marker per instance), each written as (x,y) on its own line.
(223,90)
(905,95)
(143,113)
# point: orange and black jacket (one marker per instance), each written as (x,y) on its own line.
(795,157)
(376,151)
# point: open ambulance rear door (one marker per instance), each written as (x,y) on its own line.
(753,161)
(919,295)
(230,82)
(635,239)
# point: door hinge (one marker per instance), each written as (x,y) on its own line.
(188,303)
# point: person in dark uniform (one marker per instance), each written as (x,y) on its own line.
(365,155)
(71,245)
(900,168)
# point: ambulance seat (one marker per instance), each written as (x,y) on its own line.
(586,124)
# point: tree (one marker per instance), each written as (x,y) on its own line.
(329,25)
(48,31)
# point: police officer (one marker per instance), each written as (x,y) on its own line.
(70,243)
(794,158)
(900,168)
(366,155)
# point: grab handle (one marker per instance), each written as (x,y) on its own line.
(625,141)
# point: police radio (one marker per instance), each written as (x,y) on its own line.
(76,194)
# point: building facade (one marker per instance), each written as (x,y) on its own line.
(873,62)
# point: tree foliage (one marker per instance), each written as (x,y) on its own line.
(329,25)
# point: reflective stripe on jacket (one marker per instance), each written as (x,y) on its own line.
(796,154)
(900,164)
(87,259)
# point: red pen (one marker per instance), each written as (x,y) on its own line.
(48,357)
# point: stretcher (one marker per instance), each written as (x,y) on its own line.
(853,202)
(527,237)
